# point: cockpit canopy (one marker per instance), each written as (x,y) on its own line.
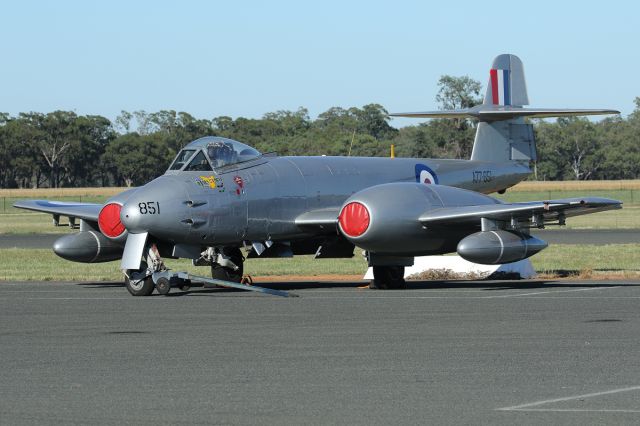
(211,152)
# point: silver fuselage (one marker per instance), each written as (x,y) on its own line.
(259,200)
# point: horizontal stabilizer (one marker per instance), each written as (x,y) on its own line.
(489,113)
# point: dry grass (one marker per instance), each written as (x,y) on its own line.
(60,192)
(576,185)
(449,275)
(588,274)
(445,275)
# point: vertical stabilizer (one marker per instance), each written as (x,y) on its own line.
(502,134)
(507,85)
(511,139)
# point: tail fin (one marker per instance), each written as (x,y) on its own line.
(502,134)
(506,83)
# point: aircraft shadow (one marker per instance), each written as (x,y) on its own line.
(105,284)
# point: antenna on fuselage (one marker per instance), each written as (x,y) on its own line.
(353,136)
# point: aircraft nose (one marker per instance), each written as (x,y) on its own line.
(132,218)
(151,207)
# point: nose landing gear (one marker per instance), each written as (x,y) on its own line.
(229,261)
(139,282)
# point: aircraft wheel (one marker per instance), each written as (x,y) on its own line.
(388,278)
(226,274)
(163,286)
(138,283)
(139,287)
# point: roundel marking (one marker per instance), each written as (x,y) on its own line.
(109,220)
(354,219)
(426,175)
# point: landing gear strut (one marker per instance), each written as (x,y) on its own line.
(388,278)
(228,265)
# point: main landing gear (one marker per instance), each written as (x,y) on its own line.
(388,278)
(227,265)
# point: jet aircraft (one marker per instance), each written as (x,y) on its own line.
(220,197)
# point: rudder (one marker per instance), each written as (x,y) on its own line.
(507,85)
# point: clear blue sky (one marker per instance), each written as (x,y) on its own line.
(246,58)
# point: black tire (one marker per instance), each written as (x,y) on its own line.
(388,278)
(226,274)
(143,287)
(163,286)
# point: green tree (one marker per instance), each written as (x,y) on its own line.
(569,149)
(458,133)
(136,159)
(458,92)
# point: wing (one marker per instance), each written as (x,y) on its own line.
(321,220)
(85,211)
(548,211)
(326,220)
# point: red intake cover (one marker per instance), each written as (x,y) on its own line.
(109,220)
(354,219)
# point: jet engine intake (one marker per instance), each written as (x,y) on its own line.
(497,247)
(109,222)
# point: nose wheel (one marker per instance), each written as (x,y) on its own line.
(139,282)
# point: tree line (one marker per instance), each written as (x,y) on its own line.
(63,149)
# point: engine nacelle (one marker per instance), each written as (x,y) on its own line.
(87,247)
(385,218)
(497,247)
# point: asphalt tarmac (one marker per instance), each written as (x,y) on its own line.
(510,352)
(554,236)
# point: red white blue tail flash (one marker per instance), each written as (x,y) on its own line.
(500,87)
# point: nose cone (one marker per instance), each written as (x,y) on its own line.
(132,218)
(152,208)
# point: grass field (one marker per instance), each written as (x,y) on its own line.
(45,265)
(618,260)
